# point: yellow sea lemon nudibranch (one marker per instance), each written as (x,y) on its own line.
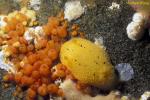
(88,63)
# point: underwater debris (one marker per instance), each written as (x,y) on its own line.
(73,10)
(125,71)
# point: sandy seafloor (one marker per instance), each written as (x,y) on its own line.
(97,21)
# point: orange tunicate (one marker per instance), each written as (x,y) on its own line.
(50,44)
(11,41)
(35,74)
(12,50)
(53,21)
(11,27)
(61,31)
(28,54)
(53,54)
(55,38)
(32,58)
(42,90)
(44,70)
(21,17)
(69,76)
(25,80)
(59,74)
(41,43)
(5,19)
(61,16)
(37,65)
(31,93)
(80,86)
(60,93)
(13,34)
(17,65)
(30,47)
(60,67)
(54,31)
(14,59)
(22,48)
(47,61)
(18,77)
(1,40)
(36,85)
(13,20)
(20,57)
(20,28)
(41,54)
(53,77)
(75,27)
(46,30)
(22,40)
(74,33)
(45,80)
(34,61)
(58,45)
(8,77)
(82,34)
(27,69)
(7,28)
(52,88)
(65,23)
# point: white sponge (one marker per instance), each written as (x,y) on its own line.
(135,30)
(73,10)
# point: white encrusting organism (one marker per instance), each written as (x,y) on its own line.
(135,29)
(2,22)
(4,64)
(114,6)
(145,96)
(33,33)
(140,17)
(71,93)
(58,81)
(28,34)
(35,4)
(125,71)
(99,40)
(73,10)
